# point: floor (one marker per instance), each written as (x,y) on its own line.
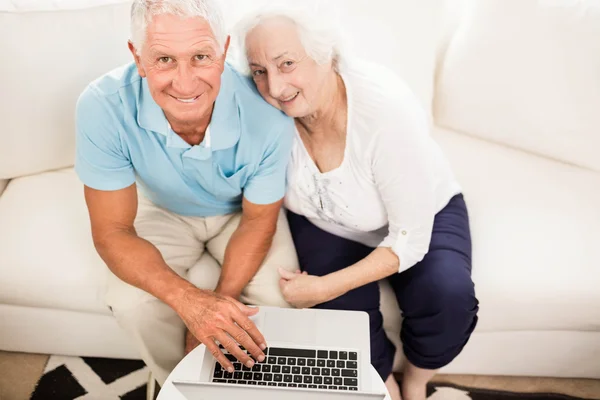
(19,372)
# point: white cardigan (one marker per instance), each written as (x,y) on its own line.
(393,179)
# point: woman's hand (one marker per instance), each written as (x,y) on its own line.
(302,290)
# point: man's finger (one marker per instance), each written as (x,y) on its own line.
(248,326)
(218,354)
(242,337)
(234,350)
(249,311)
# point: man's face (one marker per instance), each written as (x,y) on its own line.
(182,63)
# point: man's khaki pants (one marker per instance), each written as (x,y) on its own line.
(194,247)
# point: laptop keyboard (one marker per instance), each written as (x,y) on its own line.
(303,368)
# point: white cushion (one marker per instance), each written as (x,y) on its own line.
(47,258)
(58,52)
(3,183)
(526,73)
(536,229)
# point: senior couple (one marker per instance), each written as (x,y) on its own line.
(186,164)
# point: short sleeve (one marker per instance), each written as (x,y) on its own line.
(100,161)
(268,184)
(402,169)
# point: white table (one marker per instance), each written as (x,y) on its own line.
(187,370)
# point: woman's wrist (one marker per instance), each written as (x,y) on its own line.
(331,288)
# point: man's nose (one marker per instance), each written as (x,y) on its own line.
(184,81)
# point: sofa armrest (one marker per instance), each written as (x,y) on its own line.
(3,183)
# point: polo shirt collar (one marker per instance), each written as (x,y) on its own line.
(224,123)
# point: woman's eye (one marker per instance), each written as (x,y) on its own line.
(164,60)
(288,63)
(257,72)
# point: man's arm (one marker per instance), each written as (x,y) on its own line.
(138,262)
(248,246)
(131,258)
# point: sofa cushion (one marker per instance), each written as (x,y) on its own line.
(536,229)
(58,52)
(527,74)
(47,258)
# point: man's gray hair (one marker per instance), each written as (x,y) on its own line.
(143,11)
(320,36)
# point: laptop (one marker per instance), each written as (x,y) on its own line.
(312,354)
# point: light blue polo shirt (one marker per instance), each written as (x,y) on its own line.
(123,137)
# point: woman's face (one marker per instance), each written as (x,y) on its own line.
(286,77)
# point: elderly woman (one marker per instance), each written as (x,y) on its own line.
(370,196)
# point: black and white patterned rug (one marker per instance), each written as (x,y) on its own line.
(85,378)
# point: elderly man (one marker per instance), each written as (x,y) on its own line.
(209,158)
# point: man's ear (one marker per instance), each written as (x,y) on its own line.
(136,58)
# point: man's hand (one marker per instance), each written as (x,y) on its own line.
(302,290)
(212,317)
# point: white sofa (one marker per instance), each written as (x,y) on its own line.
(513,87)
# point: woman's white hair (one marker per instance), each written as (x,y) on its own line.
(143,11)
(320,35)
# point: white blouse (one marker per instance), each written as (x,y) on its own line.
(393,178)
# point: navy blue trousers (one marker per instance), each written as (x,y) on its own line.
(436,296)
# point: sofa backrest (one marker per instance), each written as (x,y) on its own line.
(57,47)
(526,73)
(3,183)
(54,50)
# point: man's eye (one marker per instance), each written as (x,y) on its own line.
(201,57)
(258,72)
(288,63)
(164,60)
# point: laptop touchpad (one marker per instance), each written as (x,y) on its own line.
(297,326)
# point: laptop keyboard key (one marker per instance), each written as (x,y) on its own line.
(328,380)
(288,378)
(282,384)
(285,369)
(227,375)
(316,371)
(333,355)
(342,388)
(272,360)
(322,354)
(325,371)
(318,380)
(302,362)
(291,361)
(331,363)
(353,388)
(350,373)
(320,363)
(237,366)
(292,385)
(238,375)
(297,378)
(278,378)
(351,364)
(308,379)
(295,370)
(268,377)
(311,362)
(350,382)
(266,368)
(218,374)
(257,376)
(252,383)
(305,370)
(262,383)
(276,369)
(281,361)
(337,381)
(333,387)
(219,380)
(353,356)
(322,387)
(341,364)
(271,384)
(277,351)
(343,355)
(336,372)
(302,385)
(242,383)
(256,368)
(247,376)
(312,386)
